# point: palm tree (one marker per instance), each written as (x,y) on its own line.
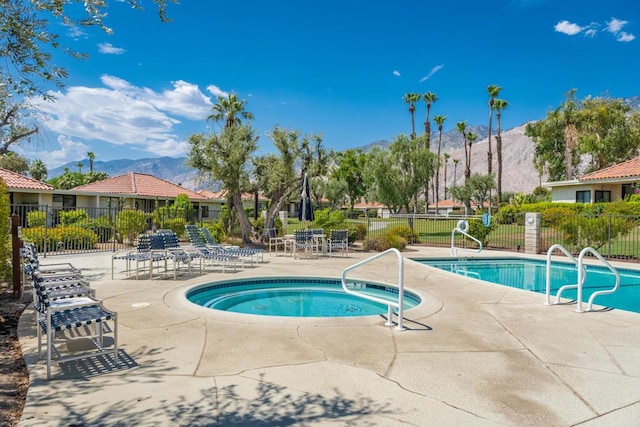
(439,120)
(79,165)
(494,91)
(38,170)
(499,105)
(446,161)
(411,99)
(462,128)
(471,138)
(455,170)
(429,98)
(91,157)
(228,109)
(569,115)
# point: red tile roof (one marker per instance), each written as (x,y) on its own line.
(139,184)
(16,181)
(628,169)
(222,194)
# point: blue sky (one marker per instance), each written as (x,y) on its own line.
(339,68)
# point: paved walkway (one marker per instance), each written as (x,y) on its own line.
(475,354)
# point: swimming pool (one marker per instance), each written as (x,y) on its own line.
(295,297)
(530,275)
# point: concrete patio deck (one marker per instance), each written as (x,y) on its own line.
(475,354)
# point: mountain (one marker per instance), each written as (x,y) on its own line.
(168,168)
(451,139)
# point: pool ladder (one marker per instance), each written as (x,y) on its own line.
(399,305)
(582,275)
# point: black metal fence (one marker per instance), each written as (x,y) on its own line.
(60,231)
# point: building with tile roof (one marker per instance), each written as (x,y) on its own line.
(25,190)
(605,185)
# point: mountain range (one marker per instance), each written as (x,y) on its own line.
(518,171)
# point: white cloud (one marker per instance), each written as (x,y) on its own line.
(625,37)
(110,49)
(568,28)
(615,25)
(216,91)
(69,151)
(591,32)
(75,32)
(396,73)
(432,72)
(126,115)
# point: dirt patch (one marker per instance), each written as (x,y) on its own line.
(14,378)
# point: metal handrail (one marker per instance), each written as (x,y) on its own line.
(562,288)
(597,293)
(390,304)
(454,249)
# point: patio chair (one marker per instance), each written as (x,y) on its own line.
(338,239)
(303,240)
(141,257)
(67,320)
(207,254)
(178,255)
(275,241)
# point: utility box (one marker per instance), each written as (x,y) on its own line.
(532,226)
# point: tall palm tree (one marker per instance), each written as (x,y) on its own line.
(494,91)
(429,98)
(446,156)
(439,120)
(411,99)
(462,128)
(471,138)
(499,105)
(91,157)
(229,109)
(79,165)
(455,170)
(569,115)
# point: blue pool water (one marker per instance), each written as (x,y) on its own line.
(295,297)
(531,275)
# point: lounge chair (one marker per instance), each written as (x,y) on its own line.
(143,257)
(248,253)
(275,241)
(303,241)
(178,255)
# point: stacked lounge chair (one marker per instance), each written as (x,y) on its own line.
(203,236)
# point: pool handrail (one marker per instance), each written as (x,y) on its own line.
(548,275)
(597,293)
(454,249)
(390,304)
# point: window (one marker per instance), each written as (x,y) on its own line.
(205,211)
(603,196)
(583,196)
(627,190)
(64,201)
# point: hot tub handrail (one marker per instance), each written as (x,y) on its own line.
(390,304)
(597,293)
(547,300)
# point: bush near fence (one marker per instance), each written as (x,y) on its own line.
(62,237)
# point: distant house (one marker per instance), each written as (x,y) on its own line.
(219,199)
(446,207)
(381,210)
(26,191)
(605,185)
(138,191)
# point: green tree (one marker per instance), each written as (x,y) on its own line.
(80,165)
(335,192)
(462,128)
(229,110)
(350,164)
(476,189)
(439,120)
(411,99)
(494,91)
(94,176)
(67,180)
(609,131)
(14,162)
(446,156)
(223,156)
(38,170)
(499,105)
(471,138)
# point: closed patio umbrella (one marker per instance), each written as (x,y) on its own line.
(305,212)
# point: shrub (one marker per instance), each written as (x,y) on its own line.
(176,225)
(553,217)
(217,231)
(409,235)
(542,206)
(622,208)
(372,213)
(386,241)
(6,271)
(130,223)
(63,237)
(361,232)
(480,232)
(595,232)
(73,217)
(507,215)
(36,218)
(102,227)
